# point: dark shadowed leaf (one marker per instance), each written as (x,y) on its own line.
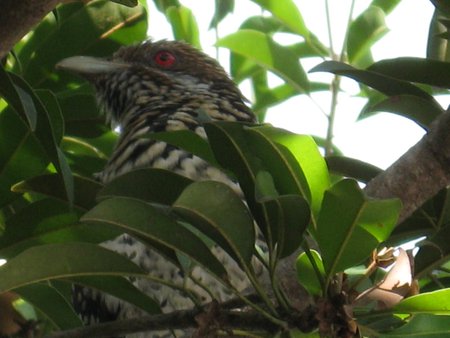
(50,185)
(129,3)
(383,83)
(99,32)
(433,252)
(140,219)
(415,108)
(152,185)
(120,287)
(222,216)
(432,72)
(52,304)
(67,260)
(353,168)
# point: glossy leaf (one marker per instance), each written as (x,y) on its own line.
(68,259)
(287,12)
(307,274)
(385,84)
(52,304)
(289,217)
(184,25)
(306,154)
(436,302)
(263,50)
(144,221)
(351,167)
(120,287)
(350,226)
(50,185)
(229,138)
(432,72)
(422,326)
(152,185)
(222,216)
(416,108)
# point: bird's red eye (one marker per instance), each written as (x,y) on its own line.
(164,58)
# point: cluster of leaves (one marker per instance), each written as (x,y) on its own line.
(53,140)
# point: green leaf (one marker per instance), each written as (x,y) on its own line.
(50,185)
(54,112)
(433,252)
(229,144)
(350,167)
(422,326)
(222,9)
(184,25)
(305,152)
(45,134)
(144,221)
(436,302)
(307,274)
(263,50)
(67,260)
(52,304)
(152,185)
(128,3)
(122,288)
(386,84)
(415,108)
(386,5)
(216,210)
(289,217)
(432,72)
(351,226)
(363,32)
(287,12)
(103,25)
(21,155)
(19,99)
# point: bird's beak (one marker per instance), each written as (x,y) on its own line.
(89,67)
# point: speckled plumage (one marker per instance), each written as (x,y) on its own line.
(141,96)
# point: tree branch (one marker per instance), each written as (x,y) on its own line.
(17,18)
(420,173)
(183,319)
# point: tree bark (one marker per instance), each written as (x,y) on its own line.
(420,173)
(18,17)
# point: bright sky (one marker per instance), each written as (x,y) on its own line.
(379,140)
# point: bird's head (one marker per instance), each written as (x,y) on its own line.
(159,76)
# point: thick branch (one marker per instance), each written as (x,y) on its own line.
(420,173)
(183,320)
(17,18)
